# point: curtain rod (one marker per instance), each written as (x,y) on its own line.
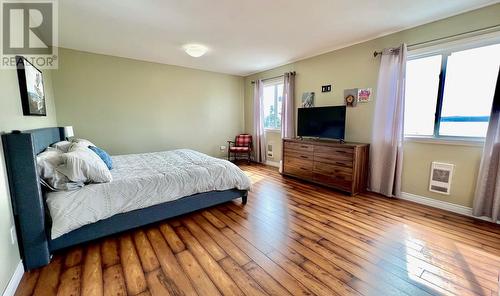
(293,73)
(482,30)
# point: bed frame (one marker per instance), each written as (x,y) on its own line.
(32,219)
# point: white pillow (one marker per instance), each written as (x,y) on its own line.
(47,162)
(83,142)
(73,145)
(63,146)
(81,164)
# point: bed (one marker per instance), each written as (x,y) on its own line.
(146,188)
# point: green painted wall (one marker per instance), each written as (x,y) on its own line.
(129,106)
(355,66)
(11,117)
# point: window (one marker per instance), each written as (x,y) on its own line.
(272,102)
(450,94)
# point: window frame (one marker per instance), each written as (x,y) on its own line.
(274,82)
(445,50)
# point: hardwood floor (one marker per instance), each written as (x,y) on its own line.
(292,238)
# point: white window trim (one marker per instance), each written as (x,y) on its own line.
(274,81)
(457,141)
(454,45)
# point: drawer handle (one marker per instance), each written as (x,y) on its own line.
(340,163)
(304,146)
(303,156)
(304,169)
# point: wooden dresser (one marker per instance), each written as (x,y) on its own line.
(340,166)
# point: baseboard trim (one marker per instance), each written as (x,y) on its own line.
(11,288)
(443,205)
(273,163)
(437,203)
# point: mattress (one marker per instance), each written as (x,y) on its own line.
(140,181)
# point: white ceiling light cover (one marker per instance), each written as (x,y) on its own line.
(195,50)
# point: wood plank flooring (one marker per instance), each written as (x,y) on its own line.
(292,238)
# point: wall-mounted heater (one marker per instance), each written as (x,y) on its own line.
(441,175)
(270,153)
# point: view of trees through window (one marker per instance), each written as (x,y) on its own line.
(272,102)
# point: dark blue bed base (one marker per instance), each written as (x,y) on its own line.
(33,221)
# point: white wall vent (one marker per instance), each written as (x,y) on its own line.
(270,150)
(441,175)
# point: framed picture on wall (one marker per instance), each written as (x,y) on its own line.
(31,88)
(351,97)
(364,95)
(308,100)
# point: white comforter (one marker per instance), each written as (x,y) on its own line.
(140,181)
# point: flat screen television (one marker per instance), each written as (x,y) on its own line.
(322,122)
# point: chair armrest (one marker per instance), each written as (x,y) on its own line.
(230,142)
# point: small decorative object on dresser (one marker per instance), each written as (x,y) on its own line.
(342,166)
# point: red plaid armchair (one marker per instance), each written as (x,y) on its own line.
(242,145)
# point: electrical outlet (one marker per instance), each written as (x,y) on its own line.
(222,148)
(13,237)
(326,88)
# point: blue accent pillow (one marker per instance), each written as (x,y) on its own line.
(103,155)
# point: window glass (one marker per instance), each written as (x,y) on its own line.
(464,104)
(422,83)
(471,77)
(272,102)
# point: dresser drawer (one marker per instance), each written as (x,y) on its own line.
(344,173)
(298,167)
(304,155)
(299,172)
(334,181)
(348,151)
(333,160)
(297,162)
(299,147)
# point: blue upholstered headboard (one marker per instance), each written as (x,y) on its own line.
(20,150)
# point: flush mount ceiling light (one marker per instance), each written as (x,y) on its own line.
(195,50)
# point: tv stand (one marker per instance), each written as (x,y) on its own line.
(339,165)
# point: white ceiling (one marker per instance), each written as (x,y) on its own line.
(244,36)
